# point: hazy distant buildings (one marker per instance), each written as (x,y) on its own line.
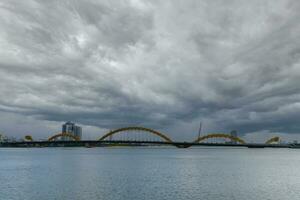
(71,128)
(233,134)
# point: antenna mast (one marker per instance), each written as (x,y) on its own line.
(200,128)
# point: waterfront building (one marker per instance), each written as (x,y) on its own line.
(233,134)
(71,128)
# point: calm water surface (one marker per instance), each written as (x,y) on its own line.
(149,173)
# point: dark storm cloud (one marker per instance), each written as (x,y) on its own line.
(234,64)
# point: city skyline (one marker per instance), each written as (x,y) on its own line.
(162,65)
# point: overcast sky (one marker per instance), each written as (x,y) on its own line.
(167,65)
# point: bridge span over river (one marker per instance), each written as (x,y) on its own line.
(112,138)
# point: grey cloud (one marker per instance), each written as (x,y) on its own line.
(162,64)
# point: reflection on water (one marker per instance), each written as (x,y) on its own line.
(149,173)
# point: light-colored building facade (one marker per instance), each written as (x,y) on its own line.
(73,129)
(234,134)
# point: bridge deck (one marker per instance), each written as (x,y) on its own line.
(93,143)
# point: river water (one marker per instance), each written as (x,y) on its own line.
(149,173)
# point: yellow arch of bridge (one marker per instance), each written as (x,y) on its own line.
(135,128)
(63,135)
(219,135)
(28,138)
(273,139)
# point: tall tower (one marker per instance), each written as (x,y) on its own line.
(71,128)
(233,134)
(200,129)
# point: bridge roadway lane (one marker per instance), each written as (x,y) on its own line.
(103,143)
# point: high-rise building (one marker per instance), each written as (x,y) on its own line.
(233,134)
(71,128)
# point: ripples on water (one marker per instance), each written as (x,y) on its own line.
(149,173)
